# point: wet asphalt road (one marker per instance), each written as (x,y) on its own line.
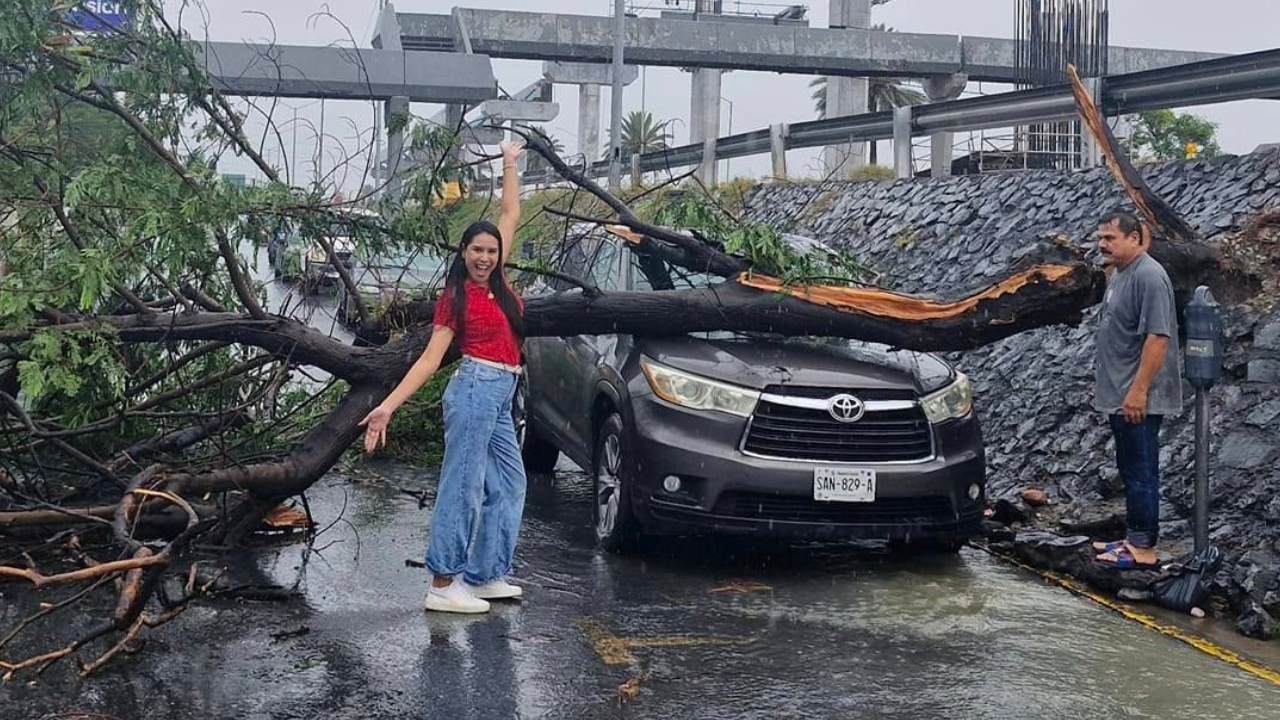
(691,628)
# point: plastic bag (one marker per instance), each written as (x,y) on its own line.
(1183,587)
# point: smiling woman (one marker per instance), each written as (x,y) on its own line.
(483,475)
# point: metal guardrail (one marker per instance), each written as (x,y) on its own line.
(1238,77)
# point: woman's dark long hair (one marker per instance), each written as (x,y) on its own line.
(455,283)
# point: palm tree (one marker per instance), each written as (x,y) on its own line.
(551,140)
(536,163)
(641,133)
(883,93)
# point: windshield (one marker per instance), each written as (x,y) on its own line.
(653,274)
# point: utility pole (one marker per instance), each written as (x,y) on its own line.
(728,160)
(320,146)
(615,120)
(293,159)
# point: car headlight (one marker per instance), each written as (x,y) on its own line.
(698,393)
(953,401)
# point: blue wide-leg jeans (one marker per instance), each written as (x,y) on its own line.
(480,499)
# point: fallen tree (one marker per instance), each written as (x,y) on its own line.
(150,394)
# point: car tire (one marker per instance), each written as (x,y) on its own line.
(612,476)
(538,454)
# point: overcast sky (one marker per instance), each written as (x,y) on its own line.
(758,99)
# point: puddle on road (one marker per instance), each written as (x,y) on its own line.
(702,627)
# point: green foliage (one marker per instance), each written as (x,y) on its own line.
(75,368)
(641,133)
(733,194)
(1166,135)
(760,244)
(416,432)
(883,93)
(95,209)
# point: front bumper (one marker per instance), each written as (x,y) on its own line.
(724,490)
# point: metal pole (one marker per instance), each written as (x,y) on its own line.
(728,177)
(902,142)
(320,145)
(615,119)
(1202,470)
(293,160)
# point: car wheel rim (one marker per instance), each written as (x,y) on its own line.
(520,416)
(608,485)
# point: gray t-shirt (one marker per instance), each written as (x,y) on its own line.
(1138,303)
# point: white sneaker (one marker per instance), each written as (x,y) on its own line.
(455,598)
(496,590)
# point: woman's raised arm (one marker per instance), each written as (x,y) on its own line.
(509,216)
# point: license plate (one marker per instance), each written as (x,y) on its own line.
(844,484)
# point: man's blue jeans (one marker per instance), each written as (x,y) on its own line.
(482,478)
(1138,457)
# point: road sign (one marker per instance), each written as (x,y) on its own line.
(99,15)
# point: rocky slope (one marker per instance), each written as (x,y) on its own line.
(945,236)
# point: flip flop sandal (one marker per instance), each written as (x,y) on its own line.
(1108,547)
(1123,559)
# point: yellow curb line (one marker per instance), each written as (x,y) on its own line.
(1205,646)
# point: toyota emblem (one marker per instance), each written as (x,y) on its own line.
(846,408)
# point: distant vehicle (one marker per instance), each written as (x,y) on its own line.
(449,194)
(748,433)
(293,258)
(388,278)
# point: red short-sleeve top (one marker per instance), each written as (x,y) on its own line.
(488,334)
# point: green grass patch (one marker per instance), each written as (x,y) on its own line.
(416,433)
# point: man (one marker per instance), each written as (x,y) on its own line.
(1136,380)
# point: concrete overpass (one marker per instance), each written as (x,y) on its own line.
(337,73)
(708,43)
(711,41)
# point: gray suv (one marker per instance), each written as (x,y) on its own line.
(763,435)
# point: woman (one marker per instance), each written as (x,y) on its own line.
(482,475)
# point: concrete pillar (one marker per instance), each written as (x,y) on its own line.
(941,88)
(778,150)
(704,124)
(635,170)
(393,108)
(704,108)
(589,122)
(1090,151)
(902,167)
(846,96)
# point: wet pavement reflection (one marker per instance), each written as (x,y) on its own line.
(688,628)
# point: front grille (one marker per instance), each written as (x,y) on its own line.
(798,508)
(822,393)
(786,431)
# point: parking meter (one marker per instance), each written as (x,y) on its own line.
(1204,340)
(1203,369)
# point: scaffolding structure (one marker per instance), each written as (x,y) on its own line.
(1052,34)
